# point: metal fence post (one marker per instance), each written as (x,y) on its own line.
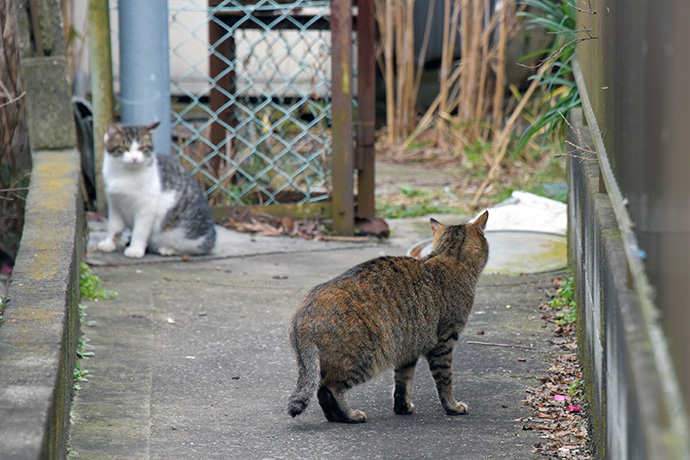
(223,89)
(342,161)
(145,66)
(366,108)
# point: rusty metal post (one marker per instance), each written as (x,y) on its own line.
(220,103)
(342,160)
(366,108)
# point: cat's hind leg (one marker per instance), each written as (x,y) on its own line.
(166,251)
(440,360)
(338,375)
(404,378)
(336,408)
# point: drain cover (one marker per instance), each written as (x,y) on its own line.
(514,252)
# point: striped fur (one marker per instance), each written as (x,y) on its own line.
(387,312)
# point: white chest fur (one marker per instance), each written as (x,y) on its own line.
(134,191)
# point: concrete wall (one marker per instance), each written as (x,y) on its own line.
(40,328)
(635,410)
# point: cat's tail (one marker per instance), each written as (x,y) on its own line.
(308,379)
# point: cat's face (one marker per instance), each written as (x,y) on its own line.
(132,145)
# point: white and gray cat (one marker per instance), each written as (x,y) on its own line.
(154,196)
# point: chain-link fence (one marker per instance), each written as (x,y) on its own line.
(251,109)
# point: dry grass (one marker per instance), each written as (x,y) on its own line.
(471,90)
(473,106)
(528,171)
(13,140)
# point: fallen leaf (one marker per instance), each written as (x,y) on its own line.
(288,224)
(561,429)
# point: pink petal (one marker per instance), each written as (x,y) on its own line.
(574,408)
(560,397)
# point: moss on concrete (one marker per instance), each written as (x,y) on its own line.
(48,99)
(39,333)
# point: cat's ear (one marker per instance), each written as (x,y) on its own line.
(110,130)
(435,225)
(437,231)
(152,127)
(481,220)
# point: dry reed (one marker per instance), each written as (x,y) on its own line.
(14,151)
(472,91)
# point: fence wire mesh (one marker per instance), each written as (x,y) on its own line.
(251,109)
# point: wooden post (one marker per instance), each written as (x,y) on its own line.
(101,87)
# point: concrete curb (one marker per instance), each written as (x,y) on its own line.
(40,328)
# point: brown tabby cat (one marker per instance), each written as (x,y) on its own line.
(385,313)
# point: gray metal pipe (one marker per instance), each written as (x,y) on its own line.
(145,67)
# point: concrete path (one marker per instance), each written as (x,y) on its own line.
(192,361)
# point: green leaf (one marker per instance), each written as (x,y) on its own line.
(90,285)
(558,18)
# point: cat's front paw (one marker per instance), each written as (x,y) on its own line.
(107,245)
(134,253)
(458,408)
